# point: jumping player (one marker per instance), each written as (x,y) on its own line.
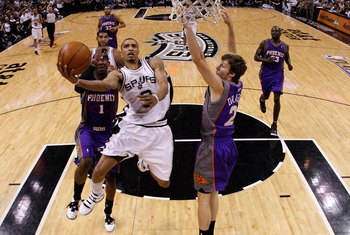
(217,153)
(144,87)
(98,112)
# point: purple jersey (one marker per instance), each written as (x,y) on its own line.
(218,117)
(277,52)
(271,74)
(98,112)
(107,24)
(99,109)
(217,153)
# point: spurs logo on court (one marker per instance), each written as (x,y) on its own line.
(7,70)
(171,47)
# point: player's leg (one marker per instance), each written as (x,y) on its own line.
(104,165)
(265,88)
(277,106)
(204,184)
(204,212)
(35,38)
(208,206)
(158,156)
(84,161)
(276,112)
(111,185)
(161,183)
(214,208)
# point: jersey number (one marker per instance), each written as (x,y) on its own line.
(101,109)
(276,59)
(232,113)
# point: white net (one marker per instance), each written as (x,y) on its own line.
(194,10)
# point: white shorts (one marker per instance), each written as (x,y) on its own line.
(37,33)
(152,144)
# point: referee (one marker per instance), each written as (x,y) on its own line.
(50,20)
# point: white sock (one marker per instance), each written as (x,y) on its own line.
(97,187)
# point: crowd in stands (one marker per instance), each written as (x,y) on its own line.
(15,14)
(341,7)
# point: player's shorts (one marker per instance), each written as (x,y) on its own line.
(271,81)
(37,33)
(214,164)
(88,143)
(154,145)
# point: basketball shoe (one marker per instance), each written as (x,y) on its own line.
(273,130)
(72,209)
(262,106)
(109,223)
(88,205)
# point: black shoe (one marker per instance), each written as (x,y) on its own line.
(273,130)
(262,106)
(36,52)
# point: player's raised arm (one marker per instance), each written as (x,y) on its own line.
(198,59)
(231,41)
(112,81)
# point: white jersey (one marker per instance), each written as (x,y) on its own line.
(142,81)
(36,22)
(110,56)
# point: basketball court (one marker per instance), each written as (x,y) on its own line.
(296,183)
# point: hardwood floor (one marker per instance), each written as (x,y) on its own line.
(38,107)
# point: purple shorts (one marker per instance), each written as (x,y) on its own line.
(89,142)
(214,164)
(271,81)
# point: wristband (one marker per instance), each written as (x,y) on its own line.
(77,82)
(156,97)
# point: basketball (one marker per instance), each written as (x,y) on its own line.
(75,55)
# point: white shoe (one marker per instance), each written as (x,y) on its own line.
(72,209)
(109,223)
(88,205)
(142,165)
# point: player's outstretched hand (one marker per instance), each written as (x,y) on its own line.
(63,69)
(225,15)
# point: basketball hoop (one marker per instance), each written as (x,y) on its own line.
(208,10)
